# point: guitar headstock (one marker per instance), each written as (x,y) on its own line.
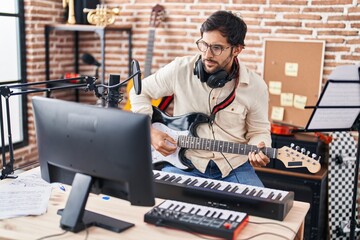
(157,15)
(294,159)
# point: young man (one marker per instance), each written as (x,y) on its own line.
(217,84)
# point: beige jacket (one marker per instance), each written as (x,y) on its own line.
(245,120)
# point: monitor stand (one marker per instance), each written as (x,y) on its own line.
(75,218)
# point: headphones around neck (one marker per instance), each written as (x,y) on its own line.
(217,79)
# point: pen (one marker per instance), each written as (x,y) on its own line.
(62,188)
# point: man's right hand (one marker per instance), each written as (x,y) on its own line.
(162,142)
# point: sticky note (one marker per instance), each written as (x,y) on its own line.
(300,101)
(275,87)
(286,99)
(291,69)
(277,113)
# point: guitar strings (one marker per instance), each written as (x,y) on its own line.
(213,134)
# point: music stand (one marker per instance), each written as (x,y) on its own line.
(338,109)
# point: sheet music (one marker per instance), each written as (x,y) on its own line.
(341,94)
(26,195)
(327,118)
(348,72)
(340,99)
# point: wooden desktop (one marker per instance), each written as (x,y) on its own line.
(35,227)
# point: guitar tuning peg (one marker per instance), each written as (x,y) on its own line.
(313,155)
(292,145)
(319,159)
(307,153)
(297,148)
(303,150)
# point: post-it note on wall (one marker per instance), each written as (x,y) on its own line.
(275,87)
(291,69)
(300,101)
(286,99)
(277,113)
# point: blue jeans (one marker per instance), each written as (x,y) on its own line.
(245,173)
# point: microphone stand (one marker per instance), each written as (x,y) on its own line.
(85,82)
(353,221)
(26,88)
(100,101)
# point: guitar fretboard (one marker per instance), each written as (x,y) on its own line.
(223,146)
(149,53)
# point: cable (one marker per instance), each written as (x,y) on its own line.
(278,224)
(53,235)
(213,134)
(209,104)
(160,223)
(87,233)
(232,169)
(265,233)
(120,83)
(60,234)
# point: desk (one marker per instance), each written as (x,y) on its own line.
(34,227)
(311,188)
(100,30)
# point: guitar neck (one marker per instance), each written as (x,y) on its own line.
(149,53)
(222,146)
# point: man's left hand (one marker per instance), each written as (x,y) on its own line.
(258,159)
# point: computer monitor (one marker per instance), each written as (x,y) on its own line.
(94,149)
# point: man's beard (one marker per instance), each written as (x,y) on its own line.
(219,67)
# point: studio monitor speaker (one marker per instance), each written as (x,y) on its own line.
(311,189)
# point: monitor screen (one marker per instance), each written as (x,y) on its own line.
(94,149)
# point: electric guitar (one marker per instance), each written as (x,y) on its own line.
(183,130)
(157,16)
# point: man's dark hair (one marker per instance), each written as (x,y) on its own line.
(231,26)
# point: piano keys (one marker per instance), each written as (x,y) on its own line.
(257,201)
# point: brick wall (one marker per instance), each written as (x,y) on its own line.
(335,21)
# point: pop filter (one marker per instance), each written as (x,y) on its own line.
(89,59)
(137,76)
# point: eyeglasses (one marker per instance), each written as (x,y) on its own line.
(216,50)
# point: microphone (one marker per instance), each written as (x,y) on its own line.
(89,59)
(113,92)
(137,77)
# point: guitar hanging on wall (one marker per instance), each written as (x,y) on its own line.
(183,130)
(157,16)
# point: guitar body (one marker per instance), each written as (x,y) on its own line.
(188,122)
(174,127)
(127,107)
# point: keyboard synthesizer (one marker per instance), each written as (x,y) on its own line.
(257,201)
(190,217)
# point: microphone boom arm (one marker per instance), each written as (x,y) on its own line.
(26,88)
(86,82)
